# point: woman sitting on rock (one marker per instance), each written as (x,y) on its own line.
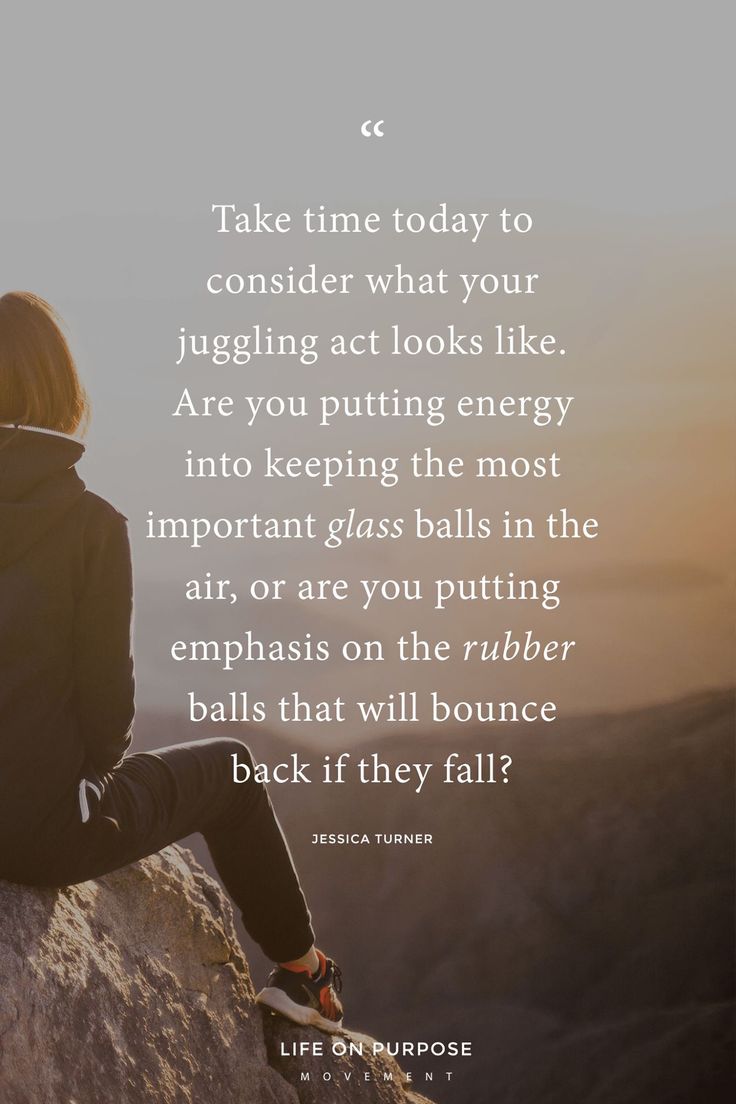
(73,804)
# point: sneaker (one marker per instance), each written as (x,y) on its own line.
(304,999)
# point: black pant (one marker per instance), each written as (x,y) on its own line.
(155,798)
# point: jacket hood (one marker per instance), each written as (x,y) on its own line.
(38,486)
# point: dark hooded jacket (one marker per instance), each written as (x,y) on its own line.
(66,671)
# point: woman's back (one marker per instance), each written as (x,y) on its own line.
(66,689)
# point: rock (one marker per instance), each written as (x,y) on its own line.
(133,988)
(358,1075)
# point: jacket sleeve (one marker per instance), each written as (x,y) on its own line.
(103,662)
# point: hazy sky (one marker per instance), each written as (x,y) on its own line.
(611,125)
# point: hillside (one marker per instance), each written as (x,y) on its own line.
(576,924)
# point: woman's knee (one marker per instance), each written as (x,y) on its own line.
(240,757)
(246,789)
(235,758)
(231,762)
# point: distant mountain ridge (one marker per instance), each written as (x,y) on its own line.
(576,924)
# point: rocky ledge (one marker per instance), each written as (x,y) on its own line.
(134,989)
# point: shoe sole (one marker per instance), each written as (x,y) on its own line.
(279,1001)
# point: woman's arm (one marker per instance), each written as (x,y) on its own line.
(102,646)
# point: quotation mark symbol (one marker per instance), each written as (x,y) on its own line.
(370,129)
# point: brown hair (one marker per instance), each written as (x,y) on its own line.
(39,385)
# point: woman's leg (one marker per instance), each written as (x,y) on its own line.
(155,798)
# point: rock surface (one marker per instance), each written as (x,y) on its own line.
(134,989)
(354,1071)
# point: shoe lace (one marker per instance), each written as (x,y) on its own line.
(336,978)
